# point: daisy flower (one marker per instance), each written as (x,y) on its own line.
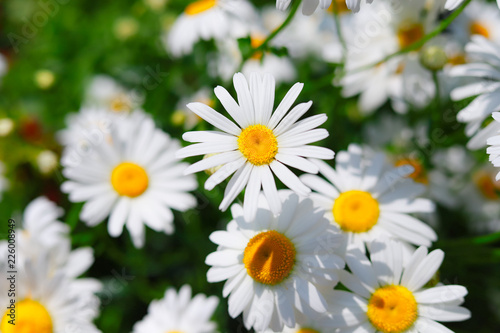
(134,180)
(105,92)
(485,72)
(389,294)
(276,267)
(178,312)
(309,6)
(208,19)
(494,143)
(478,18)
(402,80)
(262,142)
(48,301)
(368,197)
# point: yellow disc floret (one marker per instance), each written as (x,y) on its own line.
(356,211)
(269,257)
(476,28)
(30,317)
(129,179)
(200,6)
(392,309)
(307,330)
(258,144)
(409,34)
(419,174)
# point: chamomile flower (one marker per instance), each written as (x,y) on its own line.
(48,301)
(485,71)
(402,79)
(262,142)
(494,143)
(478,18)
(105,92)
(368,197)
(389,295)
(179,312)
(134,180)
(309,6)
(208,19)
(276,267)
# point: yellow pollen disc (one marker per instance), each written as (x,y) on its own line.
(269,257)
(174,332)
(258,144)
(476,28)
(419,175)
(409,34)
(392,309)
(338,7)
(486,185)
(356,211)
(307,330)
(129,179)
(458,59)
(30,317)
(255,42)
(120,104)
(200,6)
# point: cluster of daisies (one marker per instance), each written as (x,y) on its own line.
(341,248)
(286,251)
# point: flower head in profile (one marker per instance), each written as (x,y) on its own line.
(179,312)
(494,143)
(261,142)
(484,72)
(135,180)
(388,294)
(277,268)
(367,197)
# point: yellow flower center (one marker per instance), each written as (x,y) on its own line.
(486,185)
(419,175)
(356,211)
(338,7)
(129,179)
(307,330)
(174,332)
(476,28)
(30,317)
(120,103)
(258,144)
(409,34)
(255,42)
(458,59)
(269,257)
(200,6)
(392,309)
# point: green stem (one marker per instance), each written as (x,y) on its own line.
(418,44)
(264,45)
(486,239)
(338,27)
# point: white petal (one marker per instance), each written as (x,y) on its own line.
(214,118)
(289,178)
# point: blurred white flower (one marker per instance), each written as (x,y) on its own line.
(179,312)
(47,161)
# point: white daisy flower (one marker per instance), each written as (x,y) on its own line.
(368,197)
(485,70)
(105,92)
(208,19)
(276,267)
(178,312)
(402,79)
(134,180)
(4,183)
(309,6)
(49,301)
(389,295)
(494,143)
(478,18)
(262,142)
